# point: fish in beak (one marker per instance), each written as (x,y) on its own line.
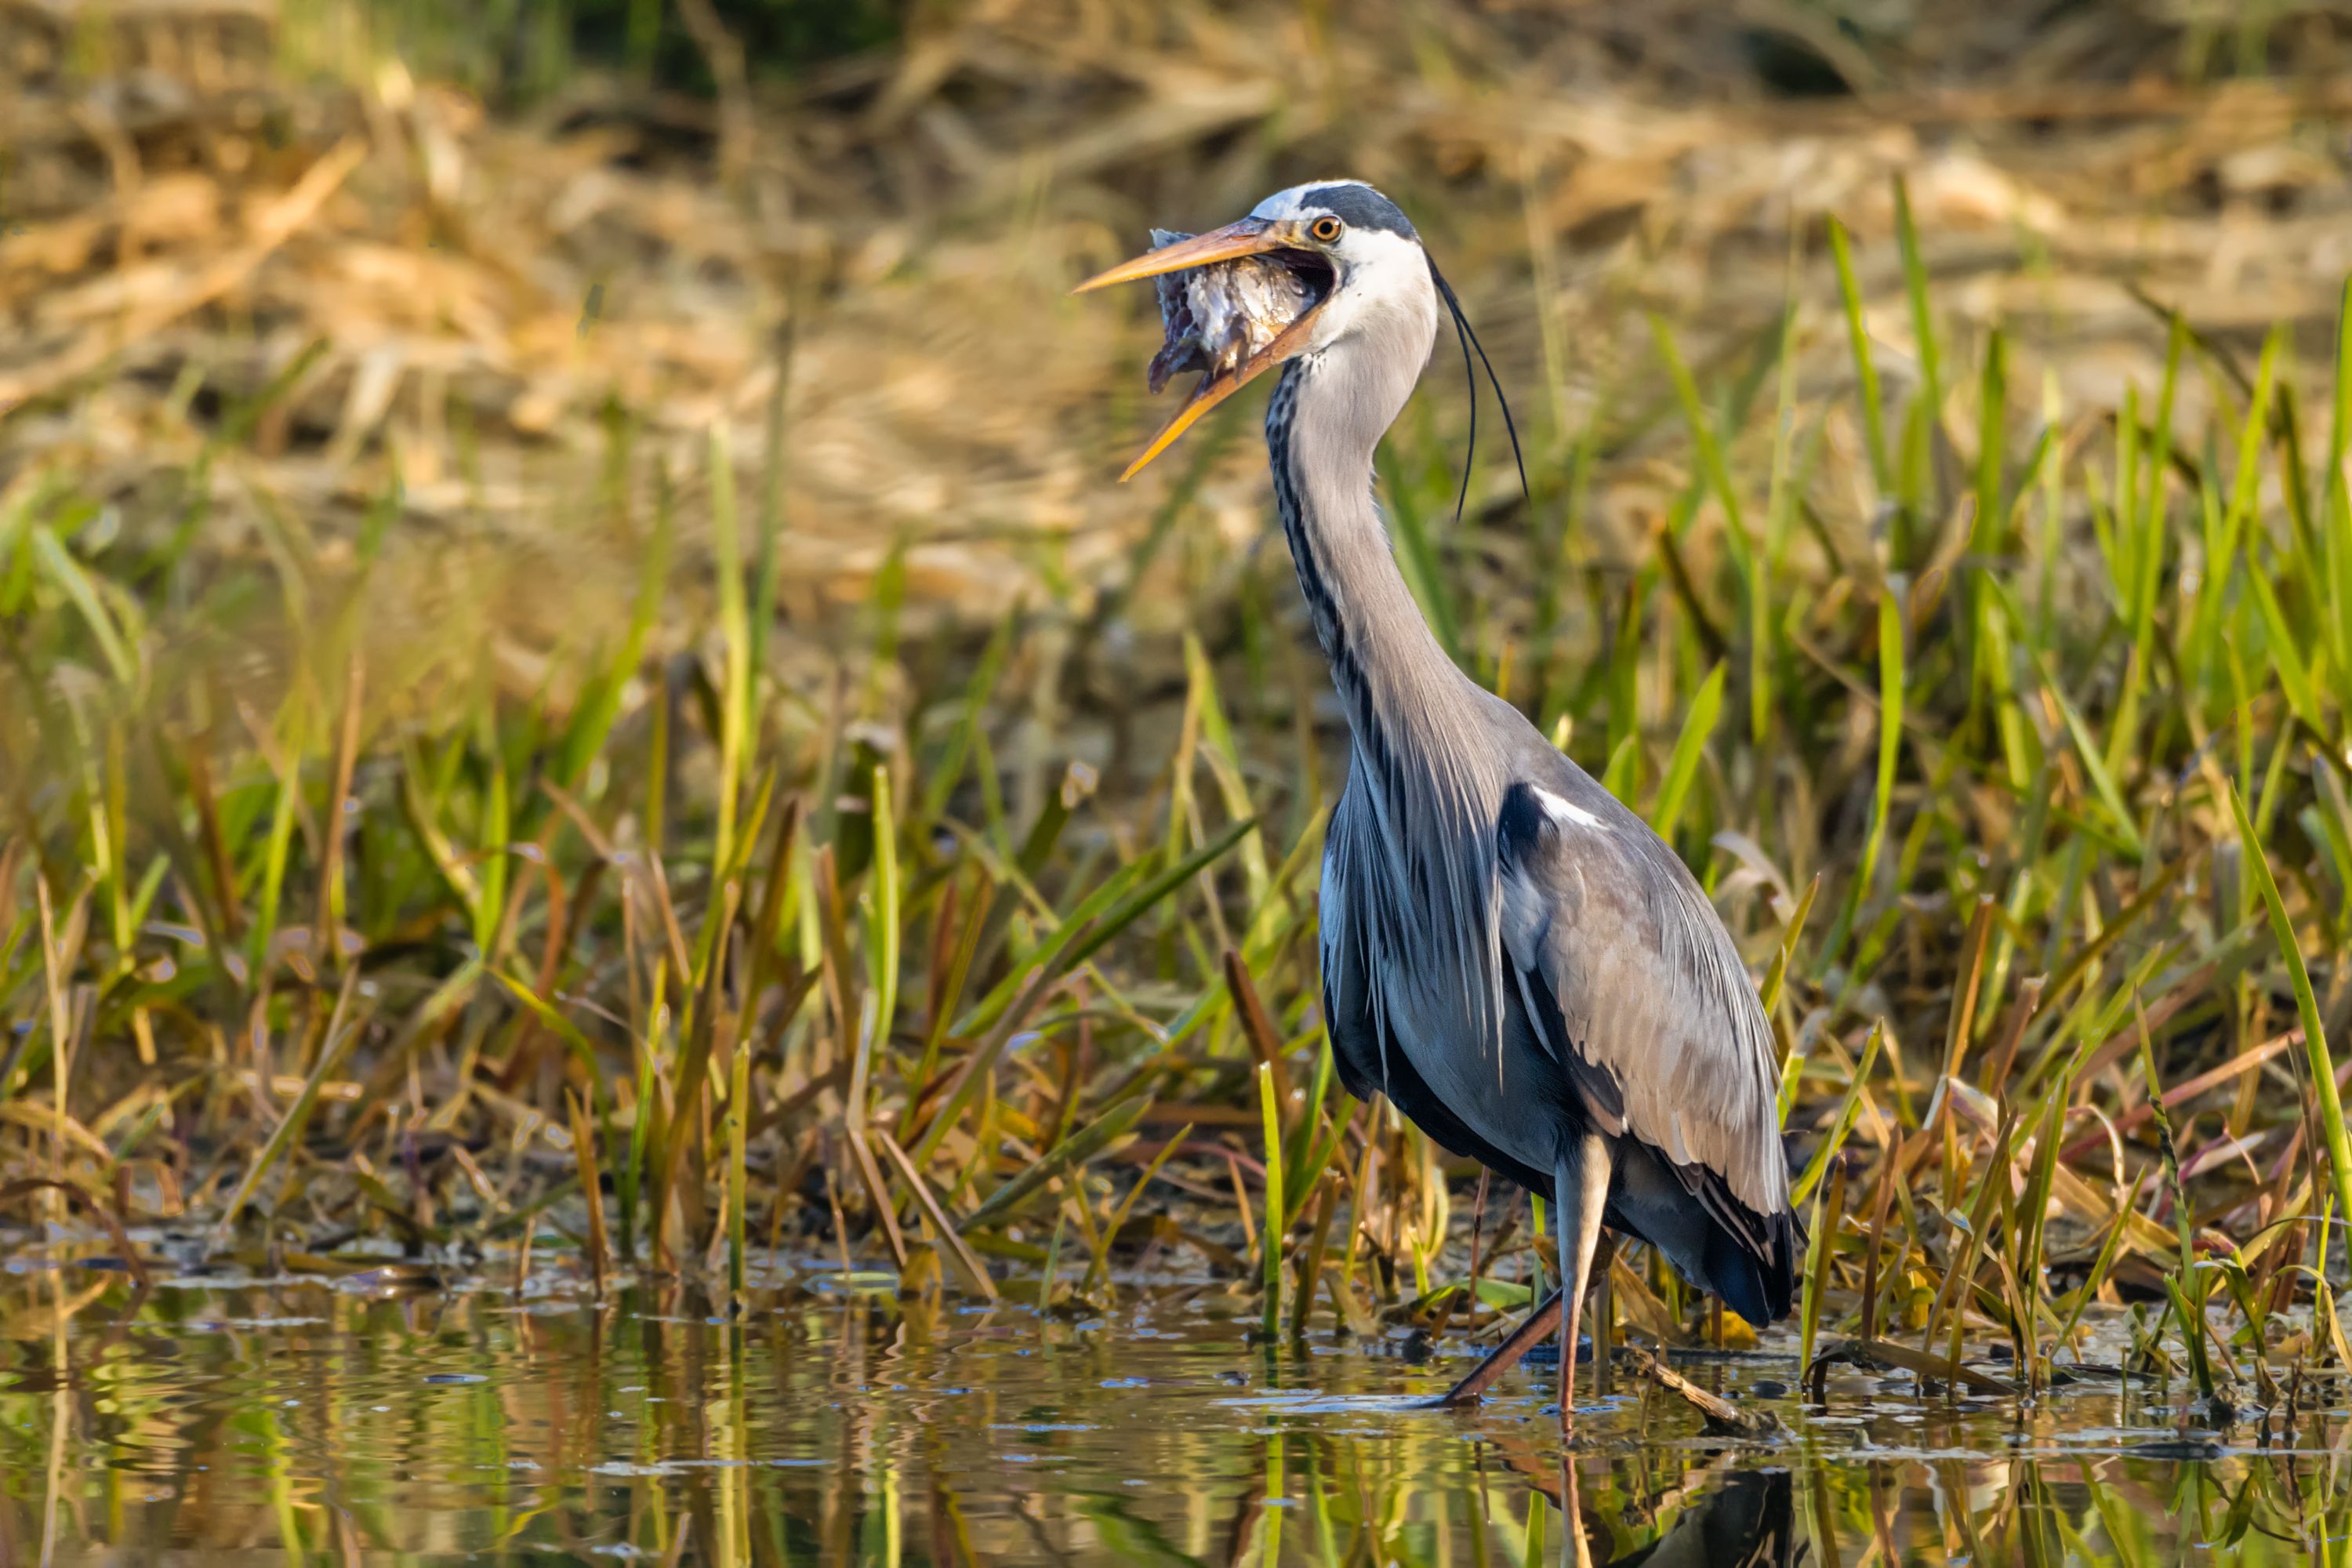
(1233,302)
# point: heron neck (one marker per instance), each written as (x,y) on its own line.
(1321,426)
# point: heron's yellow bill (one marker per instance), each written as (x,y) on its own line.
(1249,237)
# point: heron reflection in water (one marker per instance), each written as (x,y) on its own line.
(1747,1521)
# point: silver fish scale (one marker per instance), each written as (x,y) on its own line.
(1217,316)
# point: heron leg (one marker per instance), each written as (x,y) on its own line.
(1537,1328)
(1580,1191)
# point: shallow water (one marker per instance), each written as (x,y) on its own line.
(288,1421)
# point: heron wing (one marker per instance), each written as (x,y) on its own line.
(1415,985)
(1634,985)
(1366,1046)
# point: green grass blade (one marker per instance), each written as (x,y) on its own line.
(2293,674)
(63,570)
(2314,1037)
(1271,1236)
(1698,725)
(1081,1146)
(1866,366)
(1892,680)
(883,894)
(1709,450)
(735,635)
(1915,291)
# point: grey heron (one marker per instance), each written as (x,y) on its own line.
(1514,959)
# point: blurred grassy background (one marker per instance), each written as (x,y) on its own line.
(908,192)
(470,477)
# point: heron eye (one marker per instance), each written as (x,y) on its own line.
(1325,229)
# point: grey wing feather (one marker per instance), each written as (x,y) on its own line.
(1664,1036)
(1350,998)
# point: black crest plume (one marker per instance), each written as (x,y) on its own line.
(1468,337)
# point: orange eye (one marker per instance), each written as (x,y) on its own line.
(1325,229)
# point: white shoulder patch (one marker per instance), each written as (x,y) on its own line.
(1566,815)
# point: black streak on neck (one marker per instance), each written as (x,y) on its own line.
(1308,546)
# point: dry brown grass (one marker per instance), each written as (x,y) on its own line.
(191,218)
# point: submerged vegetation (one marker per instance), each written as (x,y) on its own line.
(671,917)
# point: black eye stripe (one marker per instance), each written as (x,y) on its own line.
(1359,206)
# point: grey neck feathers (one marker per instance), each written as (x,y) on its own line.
(1320,427)
(1428,763)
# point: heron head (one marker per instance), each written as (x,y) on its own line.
(1358,275)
